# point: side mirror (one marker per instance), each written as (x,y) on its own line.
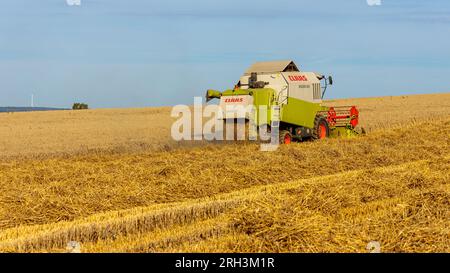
(330,80)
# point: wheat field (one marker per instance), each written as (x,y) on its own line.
(42,134)
(114,181)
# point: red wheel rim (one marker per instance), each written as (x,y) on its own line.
(322,131)
(287,139)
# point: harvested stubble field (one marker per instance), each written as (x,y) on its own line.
(65,133)
(391,185)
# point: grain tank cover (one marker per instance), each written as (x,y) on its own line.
(286,80)
(272,67)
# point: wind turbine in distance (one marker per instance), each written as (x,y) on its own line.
(32,100)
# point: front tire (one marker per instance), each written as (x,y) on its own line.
(321,128)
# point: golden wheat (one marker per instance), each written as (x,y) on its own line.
(340,212)
(51,190)
(391,185)
(64,133)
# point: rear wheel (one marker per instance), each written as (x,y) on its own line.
(285,137)
(321,129)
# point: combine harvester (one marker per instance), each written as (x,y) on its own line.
(293,97)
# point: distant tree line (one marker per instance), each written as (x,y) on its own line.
(80,106)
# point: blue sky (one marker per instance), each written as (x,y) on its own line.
(134,53)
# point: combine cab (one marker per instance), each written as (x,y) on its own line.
(294,97)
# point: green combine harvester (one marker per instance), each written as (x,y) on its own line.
(296,97)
